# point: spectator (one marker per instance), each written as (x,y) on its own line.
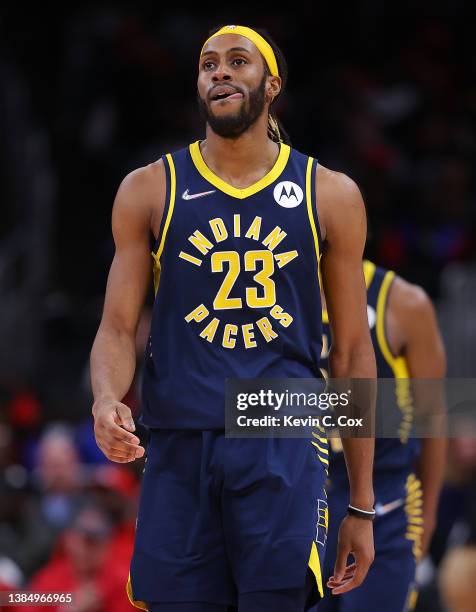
(32,517)
(116,489)
(81,566)
(59,476)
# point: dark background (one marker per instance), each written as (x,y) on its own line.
(91,92)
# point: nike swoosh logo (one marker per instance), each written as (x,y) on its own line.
(191,196)
(381,509)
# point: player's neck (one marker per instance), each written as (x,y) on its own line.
(241,161)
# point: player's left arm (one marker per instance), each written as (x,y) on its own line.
(343,226)
(422,347)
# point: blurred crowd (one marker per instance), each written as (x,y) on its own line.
(66,519)
(89,93)
(67,515)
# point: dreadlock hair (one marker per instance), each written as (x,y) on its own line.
(276,130)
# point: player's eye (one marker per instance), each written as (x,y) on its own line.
(208,65)
(238,61)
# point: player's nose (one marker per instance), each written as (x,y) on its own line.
(222,73)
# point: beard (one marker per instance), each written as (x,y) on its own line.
(233,125)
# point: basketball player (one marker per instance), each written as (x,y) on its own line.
(407,344)
(226,523)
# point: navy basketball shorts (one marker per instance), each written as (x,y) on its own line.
(390,582)
(220,517)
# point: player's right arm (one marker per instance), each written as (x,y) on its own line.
(138,203)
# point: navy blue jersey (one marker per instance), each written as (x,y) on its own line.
(394,457)
(237,290)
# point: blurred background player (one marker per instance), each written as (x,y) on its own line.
(408,472)
(458,578)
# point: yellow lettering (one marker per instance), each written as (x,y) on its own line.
(254,229)
(282,317)
(274,238)
(263,277)
(237,226)
(219,230)
(266,329)
(232,258)
(200,313)
(228,339)
(248,335)
(284,258)
(210,330)
(190,258)
(200,242)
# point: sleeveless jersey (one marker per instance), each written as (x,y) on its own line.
(394,457)
(236,287)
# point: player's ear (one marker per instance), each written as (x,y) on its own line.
(273,87)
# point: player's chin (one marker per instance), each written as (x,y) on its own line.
(221,108)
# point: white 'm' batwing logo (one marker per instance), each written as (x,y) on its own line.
(288,194)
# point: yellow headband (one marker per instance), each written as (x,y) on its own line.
(263,46)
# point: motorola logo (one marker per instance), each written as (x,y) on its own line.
(288,194)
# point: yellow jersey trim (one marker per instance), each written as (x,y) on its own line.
(173,188)
(412,600)
(235,192)
(398,364)
(369,272)
(321,439)
(315,567)
(414,513)
(320,448)
(135,602)
(310,211)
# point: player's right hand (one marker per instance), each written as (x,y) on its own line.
(112,426)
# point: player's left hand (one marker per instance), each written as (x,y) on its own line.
(355,537)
